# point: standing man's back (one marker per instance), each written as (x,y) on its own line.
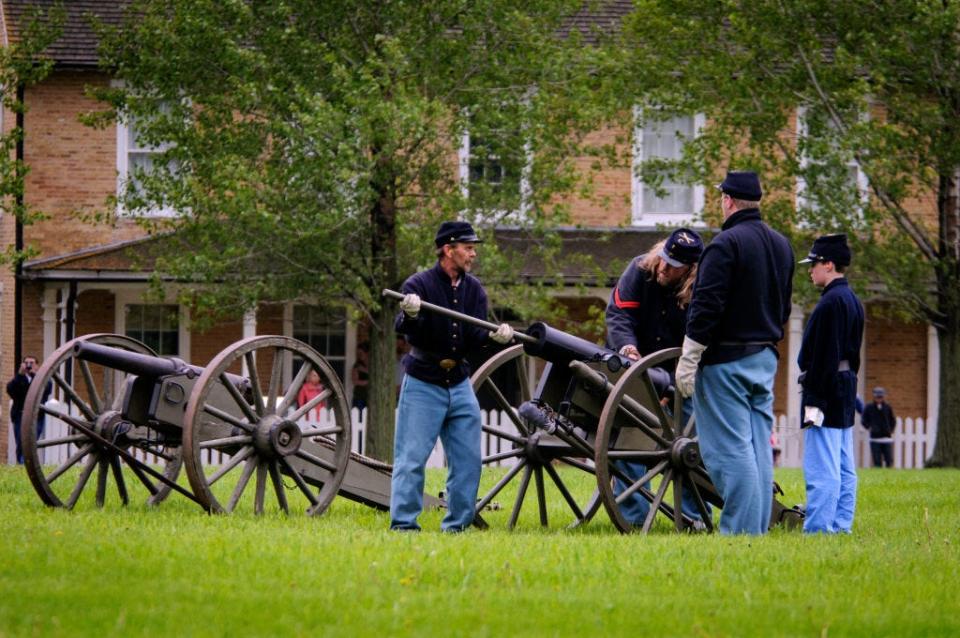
(741,301)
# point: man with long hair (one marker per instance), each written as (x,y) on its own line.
(647,312)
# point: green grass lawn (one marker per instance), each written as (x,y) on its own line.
(173,570)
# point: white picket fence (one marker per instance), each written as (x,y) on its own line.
(913,440)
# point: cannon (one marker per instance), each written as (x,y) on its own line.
(571,403)
(231,426)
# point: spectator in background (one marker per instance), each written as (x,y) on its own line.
(360,376)
(310,389)
(878,417)
(17,388)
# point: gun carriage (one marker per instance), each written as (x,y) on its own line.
(238,435)
(231,426)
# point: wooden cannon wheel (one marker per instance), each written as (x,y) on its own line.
(256,429)
(516,443)
(87,398)
(636,428)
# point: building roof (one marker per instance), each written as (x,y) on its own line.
(587,256)
(77,46)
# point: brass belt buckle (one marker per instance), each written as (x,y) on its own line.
(447,364)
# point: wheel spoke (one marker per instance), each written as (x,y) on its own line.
(73,438)
(505,406)
(118,478)
(228,418)
(640,423)
(70,462)
(261,488)
(254,376)
(635,485)
(234,461)
(92,462)
(242,483)
(677,497)
(294,388)
(276,377)
(500,484)
(521,495)
(333,429)
(240,401)
(589,469)
(91,386)
(73,396)
(564,491)
(503,434)
(147,483)
(316,460)
(509,454)
(541,496)
(301,483)
(227,441)
(278,486)
(102,481)
(660,413)
(657,501)
(701,506)
(311,404)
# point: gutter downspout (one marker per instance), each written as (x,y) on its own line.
(18,240)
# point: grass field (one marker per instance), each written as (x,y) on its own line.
(173,570)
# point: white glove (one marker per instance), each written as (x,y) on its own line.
(686,377)
(812,416)
(503,334)
(630,352)
(410,305)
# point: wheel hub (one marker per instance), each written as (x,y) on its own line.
(112,426)
(685,453)
(277,437)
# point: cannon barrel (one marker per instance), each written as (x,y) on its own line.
(559,347)
(131,362)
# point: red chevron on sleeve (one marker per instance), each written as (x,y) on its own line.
(620,303)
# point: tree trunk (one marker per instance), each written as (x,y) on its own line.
(381,391)
(946,450)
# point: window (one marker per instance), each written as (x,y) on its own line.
(134,158)
(493,182)
(157,326)
(826,173)
(671,202)
(324,332)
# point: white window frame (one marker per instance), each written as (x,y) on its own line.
(652,219)
(801,186)
(526,192)
(124,297)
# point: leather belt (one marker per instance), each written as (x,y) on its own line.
(426,357)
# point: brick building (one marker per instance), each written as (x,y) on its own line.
(92,278)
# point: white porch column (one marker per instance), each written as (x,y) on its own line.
(49,305)
(933,378)
(794,339)
(249,330)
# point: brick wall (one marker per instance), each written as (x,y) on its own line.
(96,312)
(897,360)
(72,166)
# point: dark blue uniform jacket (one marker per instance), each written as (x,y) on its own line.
(643,313)
(833,334)
(435,337)
(741,299)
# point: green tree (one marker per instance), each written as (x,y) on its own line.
(877,85)
(311,148)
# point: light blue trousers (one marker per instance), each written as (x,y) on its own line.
(635,507)
(733,402)
(830,473)
(426,412)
